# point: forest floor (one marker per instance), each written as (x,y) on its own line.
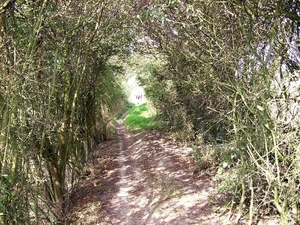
(142,179)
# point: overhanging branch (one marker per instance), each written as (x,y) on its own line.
(5,5)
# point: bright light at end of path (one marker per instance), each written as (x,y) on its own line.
(137,93)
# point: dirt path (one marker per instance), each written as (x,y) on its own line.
(143,179)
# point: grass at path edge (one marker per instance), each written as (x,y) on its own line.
(140,118)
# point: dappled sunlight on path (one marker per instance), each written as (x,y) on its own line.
(156,184)
(149,180)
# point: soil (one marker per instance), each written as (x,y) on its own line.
(144,179)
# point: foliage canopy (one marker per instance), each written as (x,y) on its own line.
(227,73)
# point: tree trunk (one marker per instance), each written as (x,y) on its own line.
(2,20)
(2,100)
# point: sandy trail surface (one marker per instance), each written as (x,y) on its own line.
(142,179)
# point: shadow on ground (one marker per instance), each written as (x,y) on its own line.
(146,180)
